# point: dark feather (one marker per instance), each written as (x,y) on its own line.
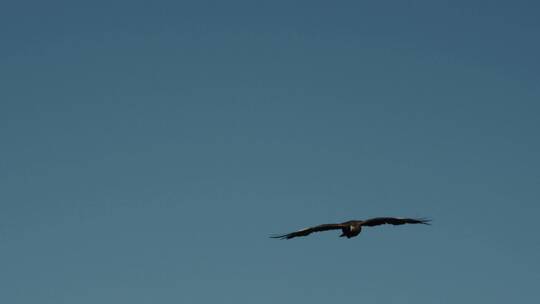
(393,221)
(308,231)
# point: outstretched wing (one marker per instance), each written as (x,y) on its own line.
(376,221)
(309,230)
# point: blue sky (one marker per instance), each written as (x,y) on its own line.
(149,148)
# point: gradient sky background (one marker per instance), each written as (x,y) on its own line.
(149,148)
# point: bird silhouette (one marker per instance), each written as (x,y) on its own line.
(352,228)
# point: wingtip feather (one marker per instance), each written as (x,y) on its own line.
(425,221)
(281,237)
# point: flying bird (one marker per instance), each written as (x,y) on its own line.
(352,228)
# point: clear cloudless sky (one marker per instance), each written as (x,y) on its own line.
(149,148)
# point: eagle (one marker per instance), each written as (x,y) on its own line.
(352,228)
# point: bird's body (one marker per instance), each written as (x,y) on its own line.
(353,228)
